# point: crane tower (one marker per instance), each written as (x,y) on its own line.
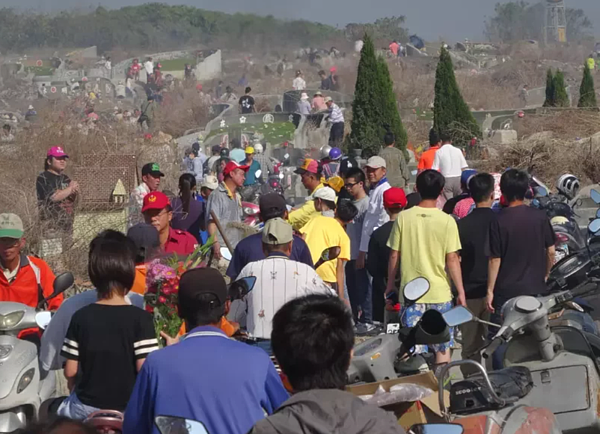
(555,22)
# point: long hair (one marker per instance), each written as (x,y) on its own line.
(187,182)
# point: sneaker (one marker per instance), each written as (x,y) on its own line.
(362,329)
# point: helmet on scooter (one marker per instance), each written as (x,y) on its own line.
(335,153)
(325,149)
(568,185)
(258,148)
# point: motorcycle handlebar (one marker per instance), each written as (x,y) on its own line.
(493,346)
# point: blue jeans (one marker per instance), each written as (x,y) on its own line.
(360,292)
(73,408)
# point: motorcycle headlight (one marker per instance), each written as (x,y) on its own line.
(10,320)
(249,211)
(25,380)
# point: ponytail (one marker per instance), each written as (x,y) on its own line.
(187,182)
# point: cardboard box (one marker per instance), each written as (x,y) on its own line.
(410,413)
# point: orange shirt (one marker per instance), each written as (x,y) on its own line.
(23,288)
(139,284)
(426,160)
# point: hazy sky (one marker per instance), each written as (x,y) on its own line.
(450,19)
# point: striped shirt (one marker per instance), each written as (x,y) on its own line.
(335,114)
(278,280)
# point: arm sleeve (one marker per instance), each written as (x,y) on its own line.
(345,247)
(395,238)
(275,393)
(463,162)
(452,237)
(70,348)
(373,257)
(47,280)
(549,235)
(421,165)
(436,161)
(139,413)
(41,188)
(302,215)
(235,265)
(145,339)
(304,252)
(494,245)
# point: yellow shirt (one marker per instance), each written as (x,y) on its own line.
(301,216)
(323,233)
(424,236)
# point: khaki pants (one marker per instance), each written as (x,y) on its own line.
(474,334)
(452,187)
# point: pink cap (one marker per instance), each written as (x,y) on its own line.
(56,152)
(333,69)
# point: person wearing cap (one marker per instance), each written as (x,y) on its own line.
(24,279)
(303,106)
(336,119)
(250,249)
(329,230)
(394,201)
(30,114)
(310,174)
(427,242)
(376,215)
(56,193)
(146,239)
(397,170)
(278,280)
(253,166)
(450,162)
(464,199)
(157,211)
(151,175)
(229,96)
(266,164)
(299,83)
(318,102)
(209,166)
(206,383)
(226,204)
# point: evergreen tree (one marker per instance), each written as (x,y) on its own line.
(374,104)
(450,112)
(549,101)
(587,93)
(561,98)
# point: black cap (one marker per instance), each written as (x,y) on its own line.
(215,149)
(271,205)
(152,169)
(202,281)
(145,237)
(196,146)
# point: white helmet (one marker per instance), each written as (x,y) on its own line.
(568,185)
(325,151)
(258,148)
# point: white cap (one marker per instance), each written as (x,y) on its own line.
(376,162)
(210,181)
(325,193)
(304,96)
(30,107)
(328,99)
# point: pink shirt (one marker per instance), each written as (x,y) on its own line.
(318,103)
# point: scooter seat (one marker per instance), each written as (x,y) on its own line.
(472,395)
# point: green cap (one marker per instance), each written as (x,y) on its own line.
(11,226)
(277,231)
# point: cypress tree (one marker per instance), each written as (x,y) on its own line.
(374,104)
(561,98)
(451,114)
(587,93)
(549,101)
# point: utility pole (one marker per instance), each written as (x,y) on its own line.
(555,22)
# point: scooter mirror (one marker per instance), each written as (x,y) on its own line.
(42,319)
(225,253)
(595,195)
(457,316)
(62,282)
(541,191)
(436,428)
(416,289)
(598,213)
(281,176)
(414,172)
(241,287)
(258,173)
(594,226)
(179,425)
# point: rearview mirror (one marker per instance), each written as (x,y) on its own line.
(416,289)
(241,287)
(258,173)
(594,226)
(541,191)
(328,255)
(225,253)
(595,195)
(62,282)
(457,316)
(598,213)
(179,425)
(281,176)
(42,319)
(436,428)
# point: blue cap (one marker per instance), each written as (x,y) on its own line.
(465,176)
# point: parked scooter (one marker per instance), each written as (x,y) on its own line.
(179,425)
(23,387)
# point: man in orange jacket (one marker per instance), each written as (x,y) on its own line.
(24,279)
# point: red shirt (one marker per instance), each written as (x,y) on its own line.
(426,161)
(181,242)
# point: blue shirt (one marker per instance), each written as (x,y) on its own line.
(218,381)
(250,250)
(238,155)
(251,174)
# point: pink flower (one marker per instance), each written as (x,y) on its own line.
(162,300)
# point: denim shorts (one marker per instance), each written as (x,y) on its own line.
(73,408)
(412,315)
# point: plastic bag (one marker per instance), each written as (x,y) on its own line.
(399,393)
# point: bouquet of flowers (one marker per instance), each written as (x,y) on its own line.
(162,283)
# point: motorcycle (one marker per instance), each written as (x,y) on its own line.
(549,370)
(251,194)
(23,387)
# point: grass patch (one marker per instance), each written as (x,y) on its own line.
(176,64)
(274,133)
(40,70)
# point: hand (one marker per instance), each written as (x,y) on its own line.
(168,339)
(217,250)
(360,261)
(74,186)
(489,302)
(461,300)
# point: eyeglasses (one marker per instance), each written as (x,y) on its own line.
(9,242)
(350,184)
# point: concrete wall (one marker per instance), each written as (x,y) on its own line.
(210,68)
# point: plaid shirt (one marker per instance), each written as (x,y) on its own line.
(136,201)
(266,165)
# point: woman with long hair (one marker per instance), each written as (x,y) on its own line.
(187,211)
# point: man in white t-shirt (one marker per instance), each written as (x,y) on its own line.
(450,162)
(149,66)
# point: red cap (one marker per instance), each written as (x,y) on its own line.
(394,198)
(198,86)
(56,152)
(232,165)
(333,69)
(155,200)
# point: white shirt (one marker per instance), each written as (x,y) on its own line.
(136,202)
(299,83)
(375,216)
(449,161)
(149,67)
(335,114)
(278,280)
(54,335)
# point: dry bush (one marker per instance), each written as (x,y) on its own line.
(567,124)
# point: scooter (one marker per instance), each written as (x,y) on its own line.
(550,370)
(23,387)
